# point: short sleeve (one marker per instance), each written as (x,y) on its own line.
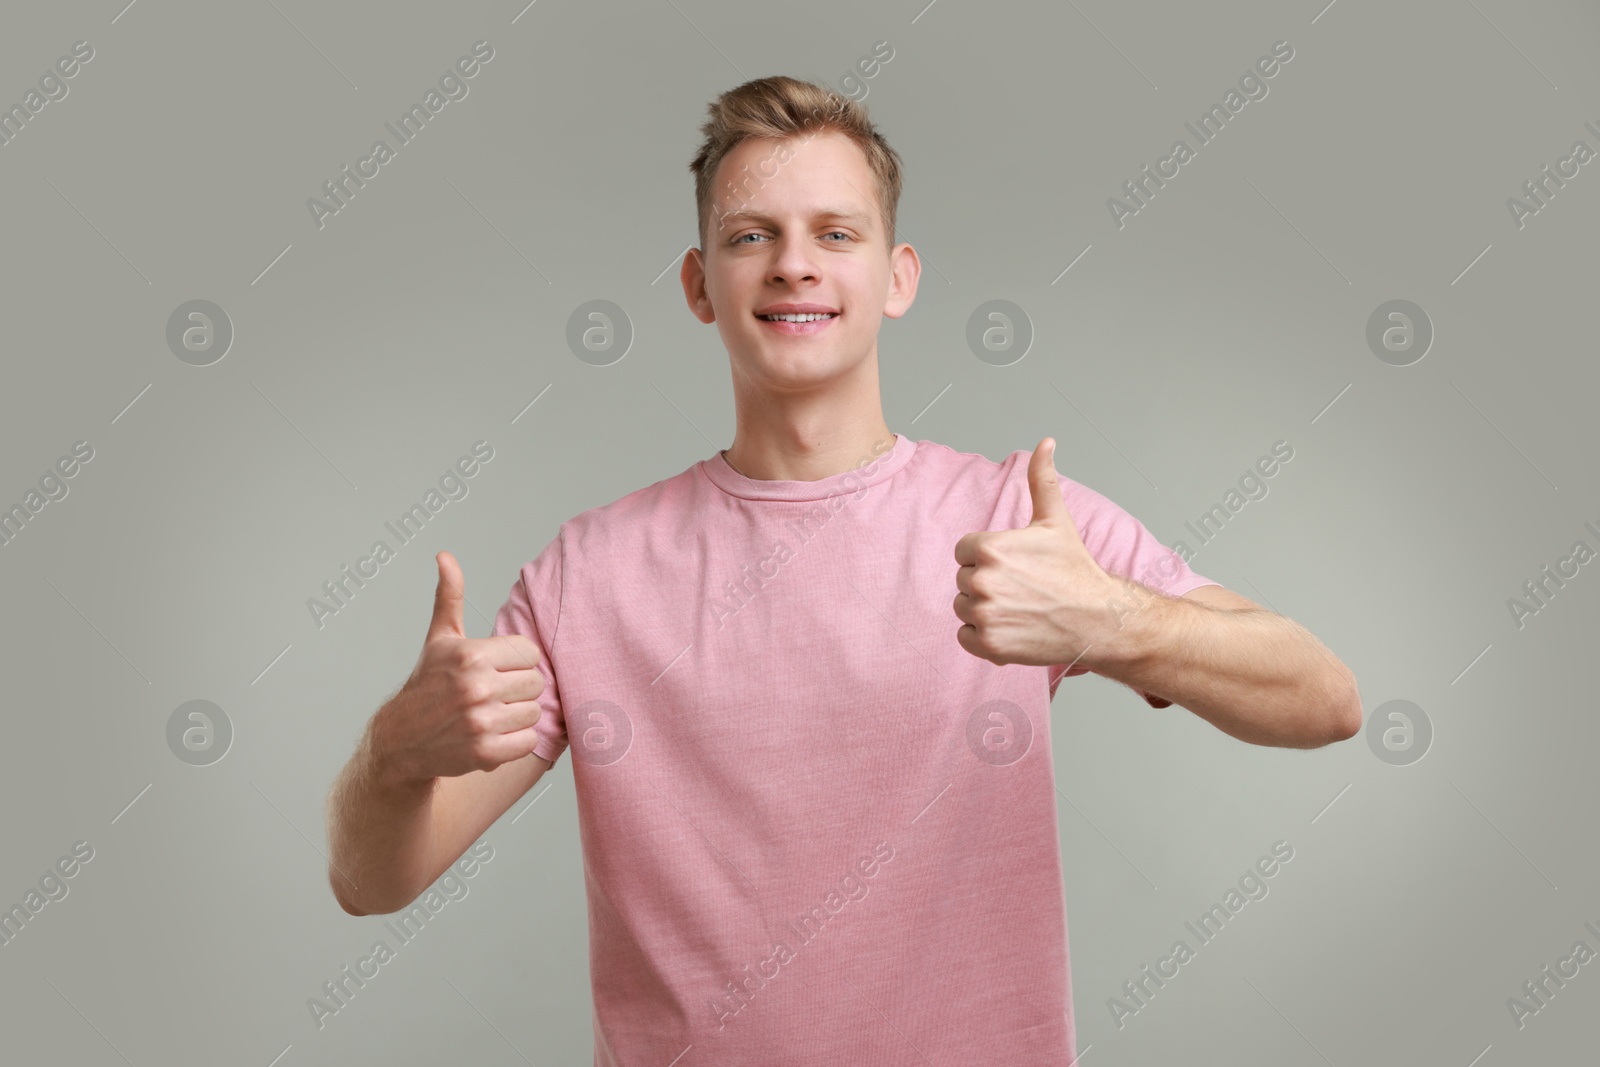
(1123,546)
(533,609)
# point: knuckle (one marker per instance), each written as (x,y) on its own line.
(471,690)
(483,758)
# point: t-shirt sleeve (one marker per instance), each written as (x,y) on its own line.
(533,609)
(1122,546)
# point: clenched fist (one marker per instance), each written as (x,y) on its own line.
(1034,595)
(470,703)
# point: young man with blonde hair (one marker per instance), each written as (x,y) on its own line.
(806,683)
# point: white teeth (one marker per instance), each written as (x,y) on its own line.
(798,318)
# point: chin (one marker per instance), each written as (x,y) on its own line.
(799,368)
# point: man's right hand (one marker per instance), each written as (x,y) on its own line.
(470,703)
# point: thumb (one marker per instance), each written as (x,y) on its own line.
(1043,484)
(448,599)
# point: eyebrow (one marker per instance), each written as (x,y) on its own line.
(821,213)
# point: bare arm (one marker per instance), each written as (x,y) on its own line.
(380,835)
(1250,672)
(390,837)
(438,763)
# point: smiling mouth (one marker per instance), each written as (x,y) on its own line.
(807,324)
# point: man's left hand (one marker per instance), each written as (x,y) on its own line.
(1034,595)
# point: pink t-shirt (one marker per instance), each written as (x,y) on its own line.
(816,830)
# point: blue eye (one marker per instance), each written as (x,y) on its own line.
(836,233)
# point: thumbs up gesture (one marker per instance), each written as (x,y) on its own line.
(1033,595)
(469,705)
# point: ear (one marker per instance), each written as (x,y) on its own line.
(905,268)
(693,276)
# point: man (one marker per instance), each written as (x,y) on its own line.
(807,681)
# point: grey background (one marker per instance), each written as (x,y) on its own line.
(1230,313)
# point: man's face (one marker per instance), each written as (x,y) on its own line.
(800,225)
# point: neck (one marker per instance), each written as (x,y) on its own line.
(804,439)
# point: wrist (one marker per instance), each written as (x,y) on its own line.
(387,769)
(1134,614)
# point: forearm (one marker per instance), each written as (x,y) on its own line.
(380,834)
(1252,673)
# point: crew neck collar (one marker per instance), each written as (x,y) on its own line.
(874,468)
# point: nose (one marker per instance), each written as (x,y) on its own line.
(794,260)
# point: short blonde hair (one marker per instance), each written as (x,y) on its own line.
(782,108)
